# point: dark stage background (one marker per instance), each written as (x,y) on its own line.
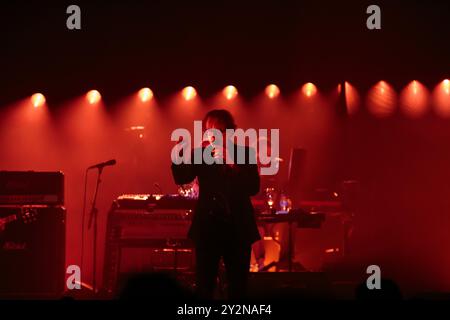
(402,162)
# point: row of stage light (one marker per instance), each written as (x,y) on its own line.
(189,93)
(230,92)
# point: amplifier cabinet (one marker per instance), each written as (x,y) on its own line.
(32,252)
(31,188)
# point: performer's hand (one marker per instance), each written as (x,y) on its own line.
(179,148)
(219,154)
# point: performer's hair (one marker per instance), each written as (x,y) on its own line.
(221,116)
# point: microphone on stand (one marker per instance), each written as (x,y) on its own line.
(103,164)
(99,166)
(93,216)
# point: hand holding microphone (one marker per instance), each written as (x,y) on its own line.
(219,152)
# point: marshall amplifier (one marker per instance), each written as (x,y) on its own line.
(32,252)
(31,188)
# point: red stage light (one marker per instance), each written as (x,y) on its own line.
(37,100)
(414,99)
(230,92)
(189,93)
(416,86)
(382,99)
(145,94)
(441,98)
(352,98)
(272,91)
(309,89)
(93,96)
(446,86)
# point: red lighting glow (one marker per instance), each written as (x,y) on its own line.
(309,89)
(352,98)
(37,100)
(145,94)
(414,99)
(189,93)
(446,86)
(441,98)
(230,92)
(381,100)
(272,91)
(93,96)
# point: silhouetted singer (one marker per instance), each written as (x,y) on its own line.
(224,224)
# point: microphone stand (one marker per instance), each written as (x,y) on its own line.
(93,216)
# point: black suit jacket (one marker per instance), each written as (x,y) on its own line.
(224,209)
